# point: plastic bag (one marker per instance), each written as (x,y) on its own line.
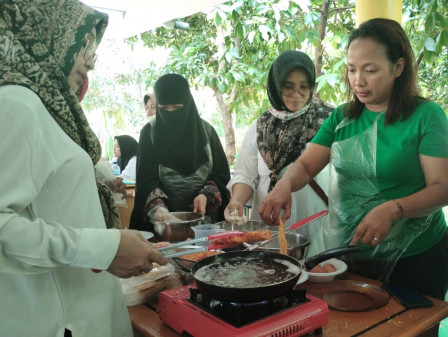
(354,192)
(107,176)
(145,287)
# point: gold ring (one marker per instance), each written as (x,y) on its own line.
(376,239)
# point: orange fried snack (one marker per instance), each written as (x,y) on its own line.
(201,255)
(253,236)
(282,238)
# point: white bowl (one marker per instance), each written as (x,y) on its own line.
(325,277)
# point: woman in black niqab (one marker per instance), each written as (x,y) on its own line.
(179,136)
(180,159)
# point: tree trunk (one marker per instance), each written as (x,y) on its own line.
(318,55)
(229,133)
(224,106)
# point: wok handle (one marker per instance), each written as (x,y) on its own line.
(313,261)
(307,220)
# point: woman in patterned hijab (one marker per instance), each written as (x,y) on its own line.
(279,135)
(52,214)
(40,46)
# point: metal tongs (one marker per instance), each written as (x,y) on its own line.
(298,224)
(199,249)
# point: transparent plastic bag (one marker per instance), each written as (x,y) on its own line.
(354,192)
(107,176)
(145,287)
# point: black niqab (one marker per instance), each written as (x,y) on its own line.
(179,138)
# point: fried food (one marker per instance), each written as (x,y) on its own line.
(326,268)
(201,255)
(253,236)
(282,238)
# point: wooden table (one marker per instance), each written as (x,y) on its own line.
(125,212)
(392,320)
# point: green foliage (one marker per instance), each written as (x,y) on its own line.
(427,28)
(232,47)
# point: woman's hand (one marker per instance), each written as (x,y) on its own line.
(375,226)
(232,206)
(118,186)
(277,200)
(199,204)
(135,255)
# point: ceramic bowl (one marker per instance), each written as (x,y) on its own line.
(325,277)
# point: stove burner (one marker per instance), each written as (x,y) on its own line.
(241,314)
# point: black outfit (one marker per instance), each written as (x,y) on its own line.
(128,149)
(177,141)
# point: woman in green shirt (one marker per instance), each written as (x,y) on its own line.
(388,154)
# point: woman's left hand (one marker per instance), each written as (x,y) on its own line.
(199,204)
(375,226)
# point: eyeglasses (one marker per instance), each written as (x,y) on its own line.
(290,90)
(90,49)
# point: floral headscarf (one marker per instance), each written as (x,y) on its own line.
(39,43)
(282,134)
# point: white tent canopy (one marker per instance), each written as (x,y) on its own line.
(132,17)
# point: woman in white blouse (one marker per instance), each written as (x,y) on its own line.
(277,138)
(125,149)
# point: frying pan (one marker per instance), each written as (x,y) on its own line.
(255,275)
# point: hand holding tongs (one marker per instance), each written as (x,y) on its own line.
(298,224)
(199,249)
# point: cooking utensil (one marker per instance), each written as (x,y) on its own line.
(203,239)
(295,226)
(313,261)
(249,226)
(177,231)
(350,295)
(297,244)
(238,266)
(242,268)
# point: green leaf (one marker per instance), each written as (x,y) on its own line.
(430,44)
(239,30)
(218,19)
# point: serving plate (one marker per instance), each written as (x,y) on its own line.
(350,295)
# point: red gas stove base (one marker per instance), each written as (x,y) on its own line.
(183,316)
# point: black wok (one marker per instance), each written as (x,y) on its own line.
(252,276)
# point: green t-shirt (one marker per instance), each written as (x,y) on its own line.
(398,170)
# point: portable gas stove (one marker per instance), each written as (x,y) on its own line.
(186,309)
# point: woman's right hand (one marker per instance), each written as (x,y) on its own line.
(277,200)
(135,256)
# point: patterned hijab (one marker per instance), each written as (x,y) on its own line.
(179,137)
(39,43)
(281,134)
(128,149)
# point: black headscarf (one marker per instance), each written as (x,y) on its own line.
(280,69)
(128,149)
(179,137)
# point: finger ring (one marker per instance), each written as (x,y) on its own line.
(376,239)
(144,271)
